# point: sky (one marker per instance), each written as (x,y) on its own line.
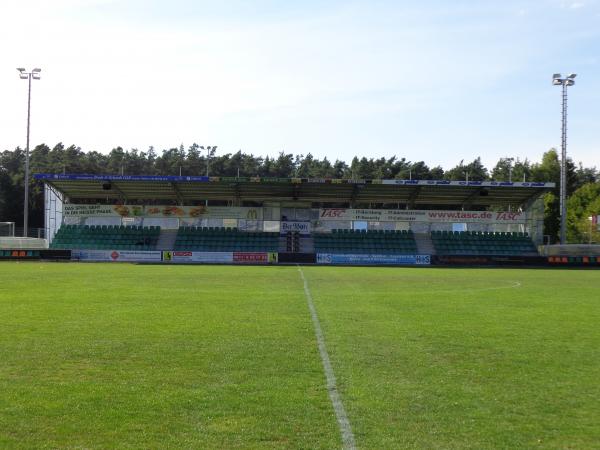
(437,81)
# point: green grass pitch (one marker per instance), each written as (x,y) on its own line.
(139,356)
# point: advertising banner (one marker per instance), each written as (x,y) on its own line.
(404,215)
(204,179)
(300,227)
(117,255)
(328,258)
(197,257)
(466,183)
(219,257)
(19,254)
(105,178)
(489,260)
(253,257)
(199,212)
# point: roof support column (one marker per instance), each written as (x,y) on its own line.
(178,194)
(468,202)
(353,196)
(410,204)
(115,188)
(237,195)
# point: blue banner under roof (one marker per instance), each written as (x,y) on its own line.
(205,179)
(84,177)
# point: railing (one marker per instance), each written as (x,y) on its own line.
(38,233)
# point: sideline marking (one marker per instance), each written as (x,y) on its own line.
(334,395)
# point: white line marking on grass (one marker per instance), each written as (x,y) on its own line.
(334,395)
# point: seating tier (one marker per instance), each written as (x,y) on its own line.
(482,243)
(106,237)
(380,242)
(219,239)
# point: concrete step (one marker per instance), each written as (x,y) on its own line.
(424,244)
(282,244)
(166,239)
(307,244)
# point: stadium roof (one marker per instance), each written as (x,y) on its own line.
(190,189)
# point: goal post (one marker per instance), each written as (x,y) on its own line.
(7,229)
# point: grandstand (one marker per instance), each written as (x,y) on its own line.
(356,221)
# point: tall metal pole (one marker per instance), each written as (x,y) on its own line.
(26,200)
(207,158)
(207,163)
(563,169)
(24,75)
(565,82)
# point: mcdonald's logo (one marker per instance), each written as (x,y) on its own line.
(252,214)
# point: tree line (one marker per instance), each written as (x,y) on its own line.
(583,183)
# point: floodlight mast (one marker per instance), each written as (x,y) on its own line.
(24,75)
(510,168)
(558,80)
(209,149)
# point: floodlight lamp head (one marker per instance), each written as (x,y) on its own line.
(556,75)
(35,75)
(21,69)
(569,82)
(36,70)
(557,82)
(571,75)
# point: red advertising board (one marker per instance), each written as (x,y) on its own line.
(243,257)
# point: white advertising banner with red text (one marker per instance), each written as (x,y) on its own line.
(117,255)
(213,212)
(197,257)
(405,215)
(254,257)
(177,256)
(327,214)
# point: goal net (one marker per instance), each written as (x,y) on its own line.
(7,229)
